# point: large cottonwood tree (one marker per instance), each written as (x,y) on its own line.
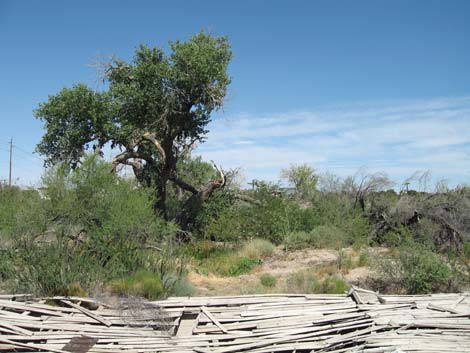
(154,107)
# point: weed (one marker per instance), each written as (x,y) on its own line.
(331,285)
(257,249)
(268,280)
(363,258)
(345,261)
(297,240)
(141,284)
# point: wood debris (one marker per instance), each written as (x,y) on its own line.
(361,321)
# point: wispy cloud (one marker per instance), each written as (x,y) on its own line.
(395,137)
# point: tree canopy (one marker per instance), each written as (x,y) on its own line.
(154,108)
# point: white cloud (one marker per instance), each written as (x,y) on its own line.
(395,137)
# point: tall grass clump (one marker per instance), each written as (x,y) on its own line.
(257,249)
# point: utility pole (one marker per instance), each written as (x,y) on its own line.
(11,155)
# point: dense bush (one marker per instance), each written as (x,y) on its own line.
(267,280)
(87,227)
(416,269)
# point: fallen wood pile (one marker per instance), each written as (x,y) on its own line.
(361,321)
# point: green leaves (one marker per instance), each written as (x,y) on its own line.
(74,118)
(169,95)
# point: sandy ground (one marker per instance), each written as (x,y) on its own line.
(281,265)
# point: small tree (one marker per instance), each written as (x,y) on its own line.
(303,178)
(155,107)
(363,184)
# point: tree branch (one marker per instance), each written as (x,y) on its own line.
(223,178)
(151,137)
(185,186)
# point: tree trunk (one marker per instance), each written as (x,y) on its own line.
(193,205)
(160,204)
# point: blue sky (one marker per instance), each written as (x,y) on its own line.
(335,84)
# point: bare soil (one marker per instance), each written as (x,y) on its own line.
(281,265)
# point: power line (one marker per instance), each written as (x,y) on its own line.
(29,157)
(26,152)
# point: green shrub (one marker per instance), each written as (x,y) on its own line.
(242,265)
(307,281)
(417,270)
(268,280)
(345,261)
(178,286)
(141,284)
(87,227)
(257,249)
(328,236)
(297,240)
(228,263)
(466,250)
(22,214)
(300,281)
(51,269)
(363,258)
(202,249)
(331,285)
(423,271)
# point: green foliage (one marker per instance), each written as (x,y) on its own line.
(257,249)
(397,237)
(222,260)
(417,270)
(331,285)
(154,109)
(323,236)
(178,286)
(190,82)
(466,250)
(297,240)
(270,217)
(50,269)
(197,172)
(303,178)
(268,280)
(326,236)
(227,227)
(203,249)
(423,271)
(228,264)
(215,220)
(345,261)
(141,284)
(21,213)
(242,265)
(88,227)
(307,281)
(302,281)
(364,259)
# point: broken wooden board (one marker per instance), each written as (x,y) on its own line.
(362,321)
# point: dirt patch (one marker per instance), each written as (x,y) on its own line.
(282,265)
(285,263)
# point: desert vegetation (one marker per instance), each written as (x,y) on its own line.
(88,230)
(91,227)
